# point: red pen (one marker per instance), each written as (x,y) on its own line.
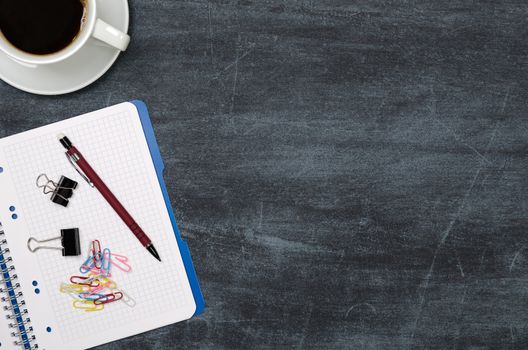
(86,171)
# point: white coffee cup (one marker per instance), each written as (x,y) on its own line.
(93,27)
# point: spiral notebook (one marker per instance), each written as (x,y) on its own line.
(120,145)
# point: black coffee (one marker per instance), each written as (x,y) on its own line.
(41,27)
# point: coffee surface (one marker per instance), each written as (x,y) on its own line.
(41,26)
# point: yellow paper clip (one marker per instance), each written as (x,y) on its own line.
(107,282)
(87,305)
(73,288)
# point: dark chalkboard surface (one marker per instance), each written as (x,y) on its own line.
(348,174)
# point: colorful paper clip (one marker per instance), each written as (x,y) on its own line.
(87,305)
(107,283)
(96,253)
(109,298)
(85,281)
(87,265)
(127,299)
(73,288)
(97,272)
(123,262)
(95,288)
(90,296)
(106,262)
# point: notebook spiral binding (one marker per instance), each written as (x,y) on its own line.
(12,297)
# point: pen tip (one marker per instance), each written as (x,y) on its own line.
(61,136)
(153,251)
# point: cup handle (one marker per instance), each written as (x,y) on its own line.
(110,35)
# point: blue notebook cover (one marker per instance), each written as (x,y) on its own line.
(158,164)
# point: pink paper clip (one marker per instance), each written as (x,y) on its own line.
(99,288)
(123,262)
(109,298)
(106,262)
(94,271)
(96,253)
(97,272)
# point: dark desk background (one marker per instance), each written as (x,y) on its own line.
(348,174)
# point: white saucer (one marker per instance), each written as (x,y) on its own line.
(78,71)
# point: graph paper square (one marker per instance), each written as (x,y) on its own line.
(113,142)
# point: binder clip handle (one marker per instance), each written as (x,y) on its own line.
(48,186)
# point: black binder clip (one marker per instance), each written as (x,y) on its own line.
(61,192)
(69,239)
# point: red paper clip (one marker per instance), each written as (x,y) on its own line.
(108,298)
(96,253)
(85,281)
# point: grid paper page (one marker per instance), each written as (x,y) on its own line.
(113,142)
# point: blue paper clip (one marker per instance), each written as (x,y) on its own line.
(87,265)
(106,262)
(90,296)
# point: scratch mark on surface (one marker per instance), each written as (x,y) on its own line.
(511,334)
(247,52)
(439,246)
(235,62)
(108,99)
(234,85)
(506,97)
(515,258)
(462,302)
(261,214)
(493,134)
(280,244)
(459,264)
(432,113)
(460,207)
(482,257)
(372,308)
(459,139)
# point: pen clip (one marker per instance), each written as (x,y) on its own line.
(72,162)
